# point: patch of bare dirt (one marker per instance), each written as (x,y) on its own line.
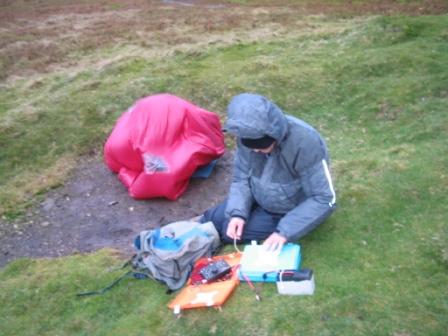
(93,210)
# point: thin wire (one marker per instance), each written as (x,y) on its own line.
(235,246)
(257,296)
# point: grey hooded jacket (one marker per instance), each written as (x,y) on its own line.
(293,180)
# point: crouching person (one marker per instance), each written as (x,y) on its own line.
(281,187)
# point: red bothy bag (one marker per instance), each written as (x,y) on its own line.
(157,145)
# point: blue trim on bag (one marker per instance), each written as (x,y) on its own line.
(205,171)
(172,244)
(137,242)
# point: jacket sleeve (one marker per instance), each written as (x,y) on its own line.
(320,202)
(240,198)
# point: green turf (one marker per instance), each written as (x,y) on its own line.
(378,92)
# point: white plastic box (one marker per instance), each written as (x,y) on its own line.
(301,287)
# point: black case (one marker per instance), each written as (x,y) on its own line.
(215,270)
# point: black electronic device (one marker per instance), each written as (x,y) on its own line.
(295,275)
(215,270)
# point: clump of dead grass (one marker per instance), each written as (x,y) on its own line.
(35,37)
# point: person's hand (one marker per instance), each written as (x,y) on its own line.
(274,242)
(235,228)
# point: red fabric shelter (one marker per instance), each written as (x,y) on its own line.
(157,145)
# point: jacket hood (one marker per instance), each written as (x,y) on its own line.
(253,116)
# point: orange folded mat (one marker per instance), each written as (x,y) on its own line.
(197,294)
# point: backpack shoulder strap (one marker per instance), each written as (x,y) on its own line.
(105,289)
(140,275)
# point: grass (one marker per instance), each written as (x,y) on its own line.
(376,89)
(46,120)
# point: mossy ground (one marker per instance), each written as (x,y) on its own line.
(375,87)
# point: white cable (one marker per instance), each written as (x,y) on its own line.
(235,246)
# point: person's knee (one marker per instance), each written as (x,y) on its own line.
(216,212)
(216,215)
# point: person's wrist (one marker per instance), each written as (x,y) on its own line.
(279,233)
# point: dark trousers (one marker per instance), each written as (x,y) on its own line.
(259,225)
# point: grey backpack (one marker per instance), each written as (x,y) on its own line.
(168,254)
